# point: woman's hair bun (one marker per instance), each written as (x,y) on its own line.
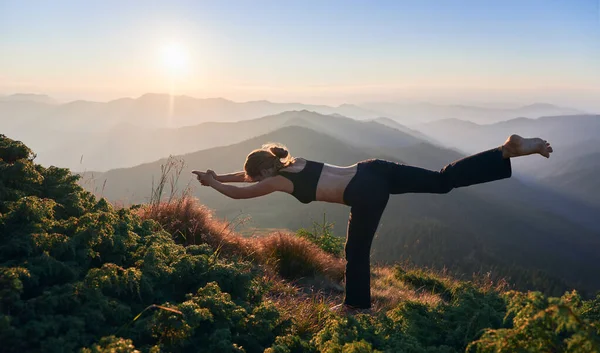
(279,152)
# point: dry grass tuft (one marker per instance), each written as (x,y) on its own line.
(392,285)
(308,313)
(388,291)
(191,223)
(289,256)
(293,257)
(487,283)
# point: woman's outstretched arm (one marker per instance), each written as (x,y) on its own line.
(236,177)
(261,188)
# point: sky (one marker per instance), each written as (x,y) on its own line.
(327,52)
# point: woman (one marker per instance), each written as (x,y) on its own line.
(365,187)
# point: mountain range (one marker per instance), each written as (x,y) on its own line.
(84,135)
(163,110)
(414,113)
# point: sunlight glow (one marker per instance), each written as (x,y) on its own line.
(175,62)
(175,59)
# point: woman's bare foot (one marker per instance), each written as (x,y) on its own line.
(516,146)
(347,310)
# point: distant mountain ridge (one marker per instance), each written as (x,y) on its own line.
(415,113)
(126,144)
(469,136)
(92,131)
(28,97)
(163,110)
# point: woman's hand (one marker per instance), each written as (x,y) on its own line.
(205,178)
(267,186)
(214,175)
(208,177)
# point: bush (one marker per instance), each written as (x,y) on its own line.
(322,236)
(542,324)
(112,344)
(291,344)
(212,320)
(74,271)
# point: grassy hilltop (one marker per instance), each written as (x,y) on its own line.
(79,275)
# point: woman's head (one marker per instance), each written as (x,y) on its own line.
(267,161)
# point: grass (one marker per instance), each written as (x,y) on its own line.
(388,291)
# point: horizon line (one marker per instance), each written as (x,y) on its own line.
(404,101)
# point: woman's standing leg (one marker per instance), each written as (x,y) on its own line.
(362,225)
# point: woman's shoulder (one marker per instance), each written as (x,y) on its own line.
(297,165)
(280,183)
(301,162)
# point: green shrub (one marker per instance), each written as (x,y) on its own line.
(291,344)
(542,324)
(322,235)
(112,344)
(74,271)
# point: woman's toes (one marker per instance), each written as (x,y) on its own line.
(546,151)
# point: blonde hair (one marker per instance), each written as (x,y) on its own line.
(271,155)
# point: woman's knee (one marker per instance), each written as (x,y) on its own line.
(444,188)
(444,185)
(357,252)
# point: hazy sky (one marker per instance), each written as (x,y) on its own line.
(311,51)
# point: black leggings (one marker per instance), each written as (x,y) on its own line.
(368,193)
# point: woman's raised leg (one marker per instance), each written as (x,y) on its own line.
(483,167)
(476,169)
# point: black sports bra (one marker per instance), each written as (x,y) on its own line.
(305,181)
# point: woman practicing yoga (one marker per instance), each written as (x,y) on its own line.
(365,187)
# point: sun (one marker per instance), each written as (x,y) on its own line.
(174,59)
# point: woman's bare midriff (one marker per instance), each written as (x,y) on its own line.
(332,182)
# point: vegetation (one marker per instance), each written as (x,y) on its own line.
(322,235)
(78,274)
